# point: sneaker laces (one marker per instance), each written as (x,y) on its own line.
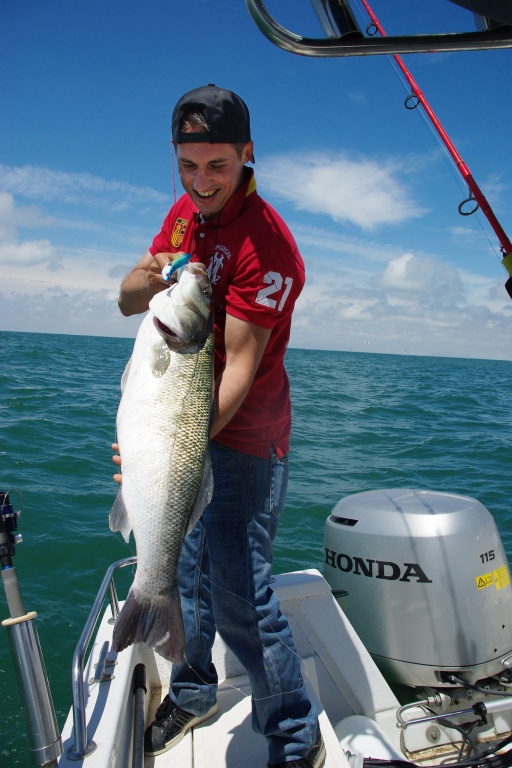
(165,708)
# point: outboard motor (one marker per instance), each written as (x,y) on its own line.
(424,580)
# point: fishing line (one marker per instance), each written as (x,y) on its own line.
(262,618)
(434,136)
(269,626)
(450,163)
(173,159)
(225,684)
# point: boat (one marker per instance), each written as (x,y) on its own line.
(404,639)
(405,643)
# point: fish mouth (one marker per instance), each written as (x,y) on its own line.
(164,330)
(189,312)
(173,341)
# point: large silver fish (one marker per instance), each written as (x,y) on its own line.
(162,431)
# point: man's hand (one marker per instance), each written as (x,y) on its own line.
(143,282)
(160,261)
(117,460)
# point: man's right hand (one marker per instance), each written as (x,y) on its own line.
(143,282)
(160,261)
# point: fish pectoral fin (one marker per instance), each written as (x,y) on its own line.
(118,519)
(159,358)
(204,496)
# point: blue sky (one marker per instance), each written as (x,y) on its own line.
(86,178)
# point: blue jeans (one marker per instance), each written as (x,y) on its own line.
(225,573)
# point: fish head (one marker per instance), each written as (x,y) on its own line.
(182,312)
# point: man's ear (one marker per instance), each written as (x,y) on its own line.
(248,152)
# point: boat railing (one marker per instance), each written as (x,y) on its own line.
(345,38)
(81,746)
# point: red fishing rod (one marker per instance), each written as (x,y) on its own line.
(475,191)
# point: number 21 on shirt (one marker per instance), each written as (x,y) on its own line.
(276,291)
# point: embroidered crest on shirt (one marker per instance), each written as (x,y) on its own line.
(219,257)
(178,232)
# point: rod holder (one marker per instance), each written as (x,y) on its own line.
(43,733)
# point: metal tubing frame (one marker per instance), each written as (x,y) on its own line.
(43,733)
(82,747)
(498,37)
(139,692)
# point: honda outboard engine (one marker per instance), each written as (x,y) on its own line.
(424,580)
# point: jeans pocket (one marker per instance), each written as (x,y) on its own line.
(279,469)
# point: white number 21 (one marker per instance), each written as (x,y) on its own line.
(275,284)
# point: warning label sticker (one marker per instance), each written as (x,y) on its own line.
(501,577)
(484,581)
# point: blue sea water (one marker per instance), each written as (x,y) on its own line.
(361,421)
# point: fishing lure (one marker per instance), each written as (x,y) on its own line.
(175,267)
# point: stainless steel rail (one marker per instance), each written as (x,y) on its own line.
(350,41)
(82,747)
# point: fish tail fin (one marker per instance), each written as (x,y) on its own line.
(154,620)
(118,519)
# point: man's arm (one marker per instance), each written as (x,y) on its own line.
(143,282)
(245,344)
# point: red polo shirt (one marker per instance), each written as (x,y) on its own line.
(256,273)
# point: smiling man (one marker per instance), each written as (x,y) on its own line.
(256,273)
(209,178)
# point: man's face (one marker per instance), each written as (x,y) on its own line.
(211,173)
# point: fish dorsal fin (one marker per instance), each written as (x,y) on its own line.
(118,519)
(204,496)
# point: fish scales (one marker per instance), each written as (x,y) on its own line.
(163,424)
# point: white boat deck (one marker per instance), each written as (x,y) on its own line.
(339,674)
(227,739)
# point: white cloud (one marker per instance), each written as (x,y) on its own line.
(44,184)
(365,192)
(26,254)
(410,274)
(361,293)
(48,287)
(413,304)
(62,309)
(82,249)
(13,216)
(358,97)
(13,252)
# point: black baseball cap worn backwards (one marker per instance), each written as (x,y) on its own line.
(225,114)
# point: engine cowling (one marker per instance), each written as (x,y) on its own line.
(424,580)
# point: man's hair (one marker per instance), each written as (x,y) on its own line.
(196,122)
